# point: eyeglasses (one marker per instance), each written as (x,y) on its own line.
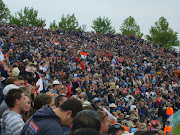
(104,116)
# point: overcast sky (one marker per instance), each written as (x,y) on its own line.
(145,12)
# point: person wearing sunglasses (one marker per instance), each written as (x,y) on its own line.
(104,122)
(116,129)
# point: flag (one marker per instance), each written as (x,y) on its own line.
(83,55)
(1,55)
(40,82)
(56,43)
(125,91)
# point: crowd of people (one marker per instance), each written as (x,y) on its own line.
(125,83)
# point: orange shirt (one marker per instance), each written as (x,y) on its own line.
(169,111)
(167,128)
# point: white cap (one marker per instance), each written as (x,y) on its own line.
(56,82)
(9,87)
(112,105)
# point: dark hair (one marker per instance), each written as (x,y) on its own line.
(11,80)
(11,97)
(40,101)
(85,131)
(113,129)
(71,104)
(57,99)
(145,132)
(87,119)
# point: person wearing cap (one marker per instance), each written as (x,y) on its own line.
(56,87)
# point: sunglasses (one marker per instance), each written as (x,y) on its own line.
(104,116)
(116,126)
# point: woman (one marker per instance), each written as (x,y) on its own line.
(28,102)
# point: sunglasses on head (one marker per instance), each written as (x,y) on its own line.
(104,116)
(116,126)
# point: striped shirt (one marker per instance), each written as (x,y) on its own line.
(12,123)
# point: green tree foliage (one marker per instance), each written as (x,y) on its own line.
(69,23)
(129,26)
(102,25)
(27,17)
(53,25)
(4,12)
(162,34)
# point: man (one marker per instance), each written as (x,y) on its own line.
(50,122)
(86,119)
(59,100)
(57,86)
(104,122)
(12,122)
(116,129)
(3,106)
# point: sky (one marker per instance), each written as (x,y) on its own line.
(145,12)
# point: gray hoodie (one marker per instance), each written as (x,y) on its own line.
(11,123)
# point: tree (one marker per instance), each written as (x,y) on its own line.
(27,17)
(162,34)
(129,26)
(102,25)
(69,23)
(4,12)
(53,25)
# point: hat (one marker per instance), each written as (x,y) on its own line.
(127,116)
(86,103)
(15,71)
(130,124)
(56,82)
(112,105)
(9,87)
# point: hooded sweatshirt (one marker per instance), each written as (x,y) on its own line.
(43,122)
(12,123)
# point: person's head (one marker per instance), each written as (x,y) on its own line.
(68,110)
(87,119)
(26,89)
(85,131)
(21,80)
(42,100)
(116,129)
(104,121)
(28,102)
(59,100)
(15,99)
(12,80)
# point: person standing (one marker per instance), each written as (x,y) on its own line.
(46,121)
(12,122)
